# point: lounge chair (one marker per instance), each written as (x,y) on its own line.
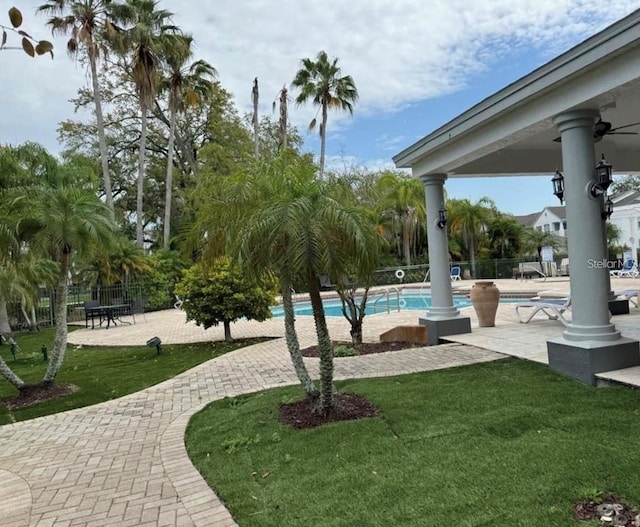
(629,269)
(553,308)
(455,273)
(629,294)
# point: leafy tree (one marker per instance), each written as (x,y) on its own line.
(91,24)
(221,293)
(187,86)
(27,42)
(321,82)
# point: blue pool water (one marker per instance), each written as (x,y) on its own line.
(414,302)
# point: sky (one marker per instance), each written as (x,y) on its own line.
(417,64)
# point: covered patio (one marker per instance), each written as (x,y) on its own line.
(566,116)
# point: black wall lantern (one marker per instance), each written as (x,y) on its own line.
(608,209)
(442,218)
(558,185)
(603,178)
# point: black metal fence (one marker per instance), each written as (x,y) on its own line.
(42,314)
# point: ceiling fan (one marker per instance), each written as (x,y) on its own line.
(602,128)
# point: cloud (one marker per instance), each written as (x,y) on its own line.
(399,52)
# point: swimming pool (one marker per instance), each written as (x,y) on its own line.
(375,304)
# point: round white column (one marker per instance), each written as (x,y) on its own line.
(441,295)
(587,249)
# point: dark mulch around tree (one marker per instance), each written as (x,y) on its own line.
(348,407)
(608,505)
(365,348)
(36,393)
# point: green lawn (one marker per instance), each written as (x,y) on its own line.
(100,373)
(505,443)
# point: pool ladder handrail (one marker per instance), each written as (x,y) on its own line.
(384,293)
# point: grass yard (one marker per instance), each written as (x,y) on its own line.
(100,373)
(505,443)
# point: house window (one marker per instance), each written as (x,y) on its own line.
(546,227)
(556,226)
(564,225)
(638,224)
(538,228)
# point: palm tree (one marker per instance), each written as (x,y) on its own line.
(401,198)
(90,24)
(59,219)
(321,82)
(281,216)
(504,233)
(535,240)
(470,220)
(147,40)
(188,85)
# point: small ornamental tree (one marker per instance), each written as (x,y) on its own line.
(220,293)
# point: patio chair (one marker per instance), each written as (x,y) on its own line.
(137,308)
(554,309)
(629,269)
(455,273)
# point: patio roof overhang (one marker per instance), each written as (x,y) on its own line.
(512,132)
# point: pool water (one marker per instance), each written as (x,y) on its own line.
(411,302)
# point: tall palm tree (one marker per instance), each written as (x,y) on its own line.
(90,24)
(321,81)
(188,85)
(470,221)
(59,219)
(401,198)
(147,41)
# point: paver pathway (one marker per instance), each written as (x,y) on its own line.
(124,462)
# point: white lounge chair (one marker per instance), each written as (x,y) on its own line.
(630,294)
(629,270)
(554,309)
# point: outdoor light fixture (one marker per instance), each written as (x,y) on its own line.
(608,209)
(442,218)
(558,185)
(603,178)
(155,342)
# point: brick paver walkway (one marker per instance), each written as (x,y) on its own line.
(124,462)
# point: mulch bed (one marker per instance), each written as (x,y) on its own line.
(365,348)
(589,510)
(36,393)
(348,407)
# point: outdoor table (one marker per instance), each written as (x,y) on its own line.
(110,313)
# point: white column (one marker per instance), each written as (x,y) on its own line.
(587,249)
(441,295)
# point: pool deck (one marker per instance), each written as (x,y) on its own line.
(124,462)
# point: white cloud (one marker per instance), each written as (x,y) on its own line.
(398,51)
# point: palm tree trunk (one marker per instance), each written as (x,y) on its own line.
(324,346)
(102,142)
(5,327)
(256,127)
(141,159)
(323,138)
(169,182)
(60,313)
(8,374)
(293,345)
(406,239)
(472,251)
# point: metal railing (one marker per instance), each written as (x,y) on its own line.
(386,294)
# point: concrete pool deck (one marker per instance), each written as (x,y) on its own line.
(124,462)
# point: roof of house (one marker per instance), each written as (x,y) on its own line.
(529,220)
(629,197)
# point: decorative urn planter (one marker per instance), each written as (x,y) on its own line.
(485,297)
